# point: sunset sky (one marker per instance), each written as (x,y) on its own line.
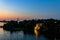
(29,9)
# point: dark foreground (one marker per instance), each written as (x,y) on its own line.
(19,35)
(50,28)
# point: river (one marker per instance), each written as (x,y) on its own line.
(7,35)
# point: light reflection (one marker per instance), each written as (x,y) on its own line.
(36,29)
(2,23)
(1,31)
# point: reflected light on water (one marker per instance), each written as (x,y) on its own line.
(1,31)
(2,23)
(36,28)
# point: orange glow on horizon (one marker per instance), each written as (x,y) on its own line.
(9,15)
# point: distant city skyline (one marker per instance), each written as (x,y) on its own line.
(29,9)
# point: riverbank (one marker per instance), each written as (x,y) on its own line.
(49,26)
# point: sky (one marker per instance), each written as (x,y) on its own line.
(29,9)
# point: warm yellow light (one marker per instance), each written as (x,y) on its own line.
(36,28)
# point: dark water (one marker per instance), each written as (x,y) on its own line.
(19,35)
(6,35)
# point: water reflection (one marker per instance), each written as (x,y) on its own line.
(7,35)
(37,27)
(19,35)
(2,23)
(1,31)
(36,30)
